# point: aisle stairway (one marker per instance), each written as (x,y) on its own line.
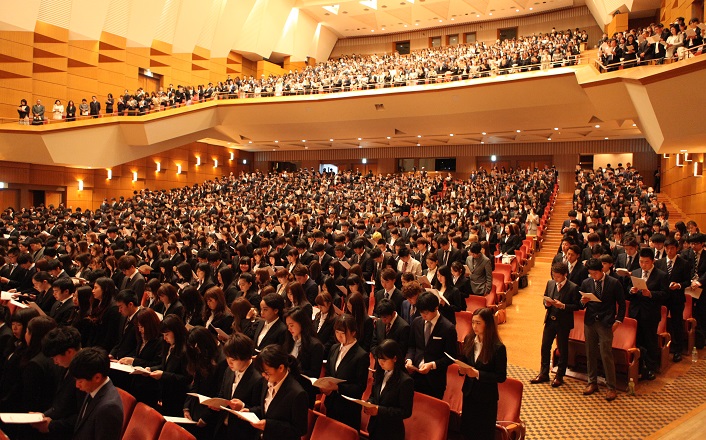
(553,235)
(675,214)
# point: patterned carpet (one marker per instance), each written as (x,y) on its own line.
(565,413)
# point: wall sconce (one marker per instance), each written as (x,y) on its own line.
(232,155)
(3,185)
(215,163)
(680,159)
(134,176)
(245,161)
(80,184)
(698,169)
(198,160)
(493,158)
(688,157)
(178,168)
(110,174)
(159,167)
(365,161)
(665,155)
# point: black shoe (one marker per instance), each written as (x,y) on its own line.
(648,375)
(677,357)
(540,379)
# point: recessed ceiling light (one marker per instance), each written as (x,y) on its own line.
(276,142)
(416,24)
(306,148)
(250,142)
(490,13)
(330,140)
(477,15)
(418,145)
(634,125)
(519,131)
(549,139)
(405,25)
(484,133)
(482,142)
(372,30)
(451,134)
(388,137)
(597,126)
(556,128)
(303,140)
(440,21)
(606,138)
(517,10)
(419,135)
(531,9)
(360,146)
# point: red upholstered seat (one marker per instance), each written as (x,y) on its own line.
(129,403)
(326,429)
(509,426)
(426,409)
(475,302)
(172,431)
(145,424)
(463,326)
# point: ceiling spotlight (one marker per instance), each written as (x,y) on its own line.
(484,133)
(451,134)
(360,139)
(383,29)
(419,145)
(549,139)
(250,142)
(517,10)
(519,131)
(416,24)
(477,15)
(330,140)
(441,21)
(482,142)
(360,146)
(634,125)
(490,13)
(531,9)
(388,137)
(303,140)
(372,30)
(276,142)
(556,128)
(606,138)
(419,135)
(597,126)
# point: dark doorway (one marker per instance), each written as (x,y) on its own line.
(38,197)
(507,33)
(402,47)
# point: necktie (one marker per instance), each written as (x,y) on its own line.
(696,267)
(599,289)
(645,275)
(404,267)
(12,269)
(629,262)
(446,258)
(412,312)
(388,326)
(670,266)
(270,395)
(427,332)
(86,402)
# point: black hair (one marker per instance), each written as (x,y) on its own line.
(385,308)
(59,340)
(274,356)
(427,302)
(89,362)
(239,346)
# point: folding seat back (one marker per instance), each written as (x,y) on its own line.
(327,428)
(129,403)
(172,431)
(475,302)
(145,424)
(427,409)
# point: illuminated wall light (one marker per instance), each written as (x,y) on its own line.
(688,157)
(159,166)
(80,185)
(198,160)
(665,155)
(134,176)
(110,174)
(245,161)
(493,158)
(680,159)
(698,169)
(215,163)
(3,185)
(365,160)
(232,155)
(178,168)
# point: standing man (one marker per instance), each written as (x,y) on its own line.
(679,277)
(481,277)
(95,107)
(645,307)
(561,299)
(600,321)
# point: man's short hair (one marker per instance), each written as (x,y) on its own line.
(89,362)
(658,238)
(476,248)
(388,274)
(427,302)
(127,297)
(239,346)
(64,283)
(412,289)
(594,264)
(385,308)
(60,340)
(647,253)
(403,252)
(300,270)
(126,262)
(575,249)
(560,268)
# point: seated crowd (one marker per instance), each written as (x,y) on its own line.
(189,284)
(348,72)
(619,232)
(652,44)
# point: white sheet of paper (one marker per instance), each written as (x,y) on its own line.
(129,369)
(590,296)
(423,280)
(457,362)
(324,382)
(209,401)
(18,304)
(345,264)
(622,272)
(21,418)
(247,416)
(179,420)
(639,283)
(362,403)
(694,292)
(7,296)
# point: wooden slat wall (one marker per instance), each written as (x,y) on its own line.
(687,191)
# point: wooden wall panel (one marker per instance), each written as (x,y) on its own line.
(686,190)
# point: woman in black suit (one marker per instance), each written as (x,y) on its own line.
(167,294)
(297,298)
(39,374)
(393,393)
(460,281)
(510,241)
(432,269)
(203,278)
(485,353)
(284,416)
(364,323)
(148,354)
(323,321)
(104,315)
(347,361)
(193,307)
(301,343)
(452,299)
(171,373)
(150,298)
(216,315)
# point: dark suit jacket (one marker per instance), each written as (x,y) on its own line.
(103,418)
(611,297)
(175,308)
(578,273)
(63,313)
(354,370)
(174,382)
(481,277)
(394,405)
(396,298)
(127,340)
(311,289)
(681,274)
(454,255)
(310,362)
(249,391)
(287,415)
(406,308)
(455,303)
(443,339)
(648,310)
(276,334)
(399,332)
(570,296)
(39,381)
(150,355)
(463,284)
(325,334)
(509,244)
(65,407)
(485,387)
(137,284)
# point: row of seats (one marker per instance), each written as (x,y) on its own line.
(142,422)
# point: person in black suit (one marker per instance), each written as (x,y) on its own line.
(301,275)
(216,314)
(486,355)
(451,300)
(459,279)
(324,320)
(347,361)
(283,408)
(511,240)
(167,294)
(42,294)
(271,330)
(61,345)
(561,299)
(133,280)
(389,291)
(63,308)
(203,278)
(6,338)
(101,413)
(679,277)
(577,271)
(601,320)
(431,336)
(356,306)
(447,254)
(127,339)
(39,374)
(242,385)
(362,258)
(629,260)
(302,343)
(24,261)
(392,393)
(171,374)
(12,273)
(411,292)
(94,107)
(390,326)
(645,307)
(104,316)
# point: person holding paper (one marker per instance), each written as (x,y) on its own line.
(600,321)
(481,277)
(243,385)
(430,337)
(283,410)
(392,393)
(450,300)
(561,300)
(347,361)
(40,375)
(390,326)
(645,307)
(271,330)
(388,277)
(678,273)
(101,414)
(486,355)
(147,354)
(216,314)
(171,373)
(104,315)
(302,343)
